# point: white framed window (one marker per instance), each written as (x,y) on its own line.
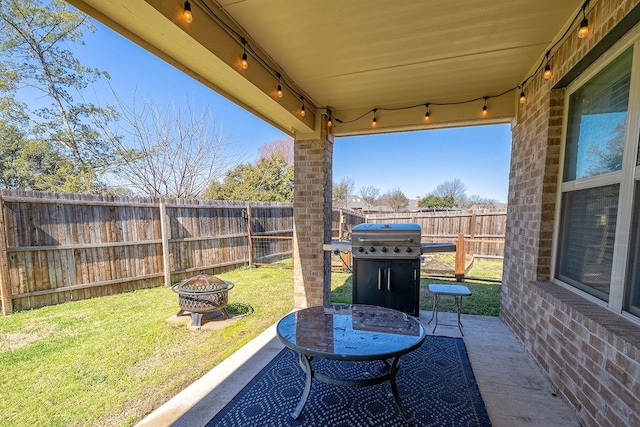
(597,236)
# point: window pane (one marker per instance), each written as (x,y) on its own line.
(597,122)
(633,275)
(586,247)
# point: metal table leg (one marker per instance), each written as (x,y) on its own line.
(394,389)
(305,364)
(459,306)
(434,312)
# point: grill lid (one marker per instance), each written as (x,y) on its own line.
(404,234)
(386,240)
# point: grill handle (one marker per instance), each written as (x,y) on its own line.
(383,240)
(388,279)
(379,279)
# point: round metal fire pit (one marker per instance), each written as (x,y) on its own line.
(202,294)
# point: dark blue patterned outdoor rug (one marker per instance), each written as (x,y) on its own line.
(436,384)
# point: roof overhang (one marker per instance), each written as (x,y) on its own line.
(351,57)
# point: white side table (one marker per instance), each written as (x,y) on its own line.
(456,291)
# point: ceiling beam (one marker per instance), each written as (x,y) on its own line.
(204,51)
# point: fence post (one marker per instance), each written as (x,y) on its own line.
(472,233)
(165,229)
(5,285)
(249,238)
(460,258)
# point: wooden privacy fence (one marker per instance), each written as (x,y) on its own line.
(62,247)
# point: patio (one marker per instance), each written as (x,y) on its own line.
(504,371)
(352,69)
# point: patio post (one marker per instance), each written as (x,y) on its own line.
(313,160)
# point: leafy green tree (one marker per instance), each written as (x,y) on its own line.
(37,64)
(269,179)
(395,199)
(30,163)
(432,201)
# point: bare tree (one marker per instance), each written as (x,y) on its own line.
(282,147)
(481,202)
(369,195)
(453,188)
(169,151)
(342,190)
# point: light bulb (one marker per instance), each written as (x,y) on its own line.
(583,31)
(329,122)
(374,122)
(188,17)
(427,116)
(279,92)
(547,72)
(523,98)
(245,63)
(485,111)
(302,113)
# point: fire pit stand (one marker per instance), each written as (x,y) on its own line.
(202,294)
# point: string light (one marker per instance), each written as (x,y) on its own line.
(186,14)
(583,31)
(329,121)
(244,62)
(374,122)
(547,68)
(279,90)
(547,73)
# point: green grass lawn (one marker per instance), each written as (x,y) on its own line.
(112,360)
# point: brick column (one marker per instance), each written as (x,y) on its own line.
(313,160)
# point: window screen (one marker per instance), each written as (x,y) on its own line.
(587,234)
(633,274)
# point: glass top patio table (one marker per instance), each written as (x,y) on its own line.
(350,332)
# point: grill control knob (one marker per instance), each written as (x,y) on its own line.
(372,249)
(396,250)
(384,249)
(407,250)
(360,249)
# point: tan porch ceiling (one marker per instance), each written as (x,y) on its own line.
(352,56)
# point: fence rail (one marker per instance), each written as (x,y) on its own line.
(62,247)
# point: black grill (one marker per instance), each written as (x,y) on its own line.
(386,266)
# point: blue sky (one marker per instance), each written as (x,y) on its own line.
(414,162)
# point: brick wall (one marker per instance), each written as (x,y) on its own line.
(312,220)
(590,354)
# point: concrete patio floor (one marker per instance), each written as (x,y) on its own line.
(514,389)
